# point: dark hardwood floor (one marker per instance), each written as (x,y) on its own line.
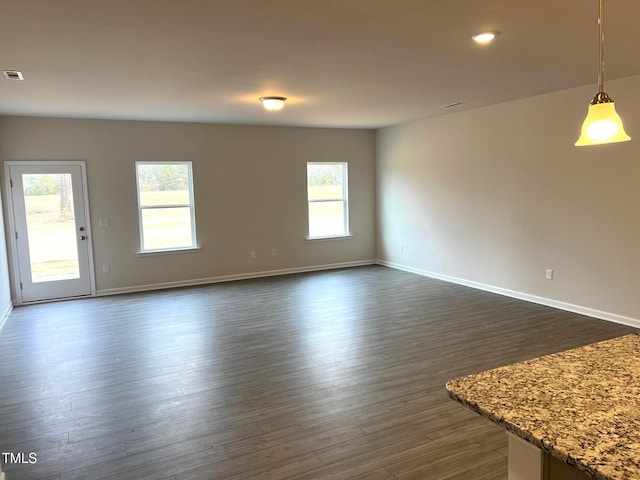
(331,375)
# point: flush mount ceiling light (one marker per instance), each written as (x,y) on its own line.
(484,38)
(602,125)
(273,104)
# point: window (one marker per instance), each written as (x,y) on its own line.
(165,206)
(327,198)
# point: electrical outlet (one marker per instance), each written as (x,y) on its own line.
(106,268)
(253,254)
(549,274)
(274,252)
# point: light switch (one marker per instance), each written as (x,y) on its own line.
(104,222)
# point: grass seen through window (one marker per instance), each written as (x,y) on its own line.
(327,199)
(166,206)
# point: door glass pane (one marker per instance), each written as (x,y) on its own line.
(51,227)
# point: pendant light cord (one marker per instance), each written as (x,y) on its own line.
(601,48)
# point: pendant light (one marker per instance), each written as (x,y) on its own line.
(602,125)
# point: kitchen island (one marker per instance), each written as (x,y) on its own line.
(573,414)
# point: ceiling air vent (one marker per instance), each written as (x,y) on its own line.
(12,75)
(451,105)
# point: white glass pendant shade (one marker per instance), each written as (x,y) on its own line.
(602,125)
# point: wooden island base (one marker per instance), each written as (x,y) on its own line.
(570,415)
(528,462)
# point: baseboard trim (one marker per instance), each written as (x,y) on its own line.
(3,318)
(590,312)
(231,278)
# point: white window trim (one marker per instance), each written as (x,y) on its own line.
(345,200)
(168,251)
(329,237)
(165,251)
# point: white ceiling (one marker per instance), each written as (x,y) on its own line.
(342,63)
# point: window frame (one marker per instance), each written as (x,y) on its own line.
(345,201)
(191,205)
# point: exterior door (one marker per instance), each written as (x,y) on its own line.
(50,218)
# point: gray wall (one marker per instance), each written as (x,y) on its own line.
(250,193)
(489,197)
(492,197)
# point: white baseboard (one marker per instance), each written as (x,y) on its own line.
(3,319)
(230,278)
(590,312)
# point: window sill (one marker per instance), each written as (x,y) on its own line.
(168,251)
(328,238)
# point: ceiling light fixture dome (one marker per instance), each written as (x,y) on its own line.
(603,124)
(273,104)
(484,38)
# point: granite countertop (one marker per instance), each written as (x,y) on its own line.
(582,406)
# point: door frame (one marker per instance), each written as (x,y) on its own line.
(11,233)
